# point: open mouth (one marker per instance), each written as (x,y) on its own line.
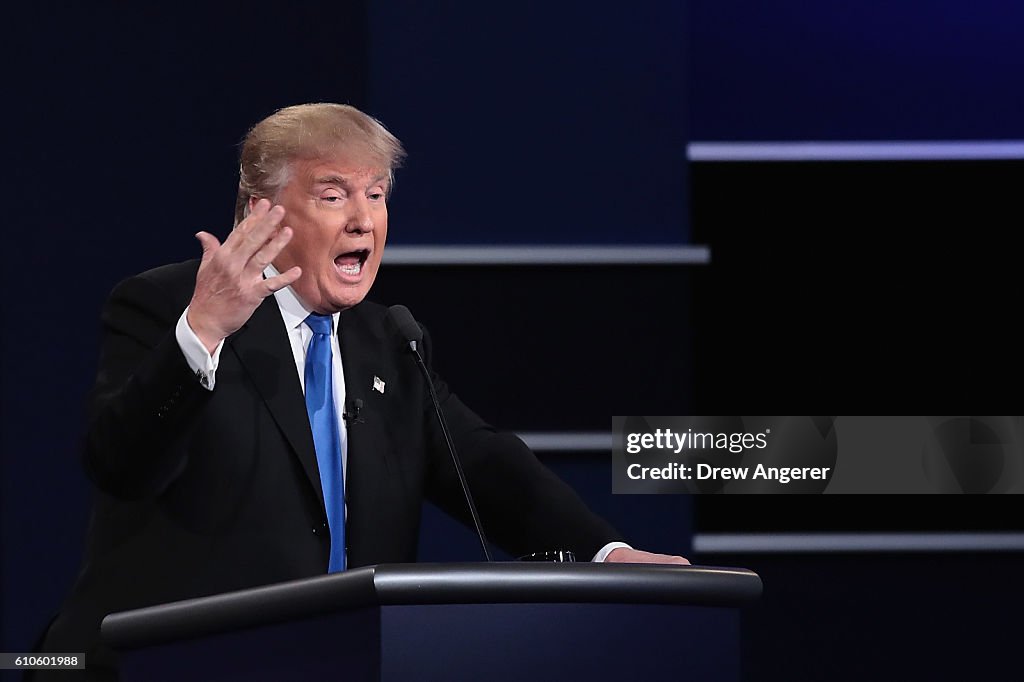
(351,263)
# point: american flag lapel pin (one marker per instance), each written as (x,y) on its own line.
(378,384)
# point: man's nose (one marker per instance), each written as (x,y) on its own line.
(360,220)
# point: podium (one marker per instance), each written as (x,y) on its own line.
(473,621)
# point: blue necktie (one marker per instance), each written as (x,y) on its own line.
(323,419)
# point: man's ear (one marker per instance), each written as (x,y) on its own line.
(252,202)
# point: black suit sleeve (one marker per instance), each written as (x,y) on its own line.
(524,507)
(144,394)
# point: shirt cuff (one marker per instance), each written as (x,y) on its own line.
(607,549)
(198,358)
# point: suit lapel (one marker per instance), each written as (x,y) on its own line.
(369,448)
(263,348)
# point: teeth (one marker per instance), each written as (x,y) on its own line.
(351,269)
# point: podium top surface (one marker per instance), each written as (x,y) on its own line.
(410,584)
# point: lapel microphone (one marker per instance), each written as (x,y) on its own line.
(351,413)
(400,317)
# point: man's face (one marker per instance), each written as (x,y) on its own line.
(338,212)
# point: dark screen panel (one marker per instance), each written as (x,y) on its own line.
(797,70)
(587,342)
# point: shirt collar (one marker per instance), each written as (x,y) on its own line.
(293,310)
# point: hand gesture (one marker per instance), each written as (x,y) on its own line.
(230,284)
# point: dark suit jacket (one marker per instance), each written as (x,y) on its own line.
(200,492)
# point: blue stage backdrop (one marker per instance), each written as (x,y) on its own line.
(561,122)
(535,123)
(870,70)
(546,123)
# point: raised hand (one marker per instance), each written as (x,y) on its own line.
(230,284)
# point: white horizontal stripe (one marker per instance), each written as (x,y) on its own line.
(781,543)
(568,441)
(895,150)
(668,254)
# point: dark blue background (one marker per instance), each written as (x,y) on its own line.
(559,122)
(870,70)
(534,123)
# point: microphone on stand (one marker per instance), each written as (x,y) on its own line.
(407,328)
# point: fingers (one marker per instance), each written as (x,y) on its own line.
(253,232)
(286,278)
(636,556)
(208,242)
(269,251)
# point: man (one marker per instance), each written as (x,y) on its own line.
(224,437)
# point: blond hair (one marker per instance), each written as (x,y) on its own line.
(307,132)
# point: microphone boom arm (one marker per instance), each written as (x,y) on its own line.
(451,448)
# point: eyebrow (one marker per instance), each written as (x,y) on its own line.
(344,182)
